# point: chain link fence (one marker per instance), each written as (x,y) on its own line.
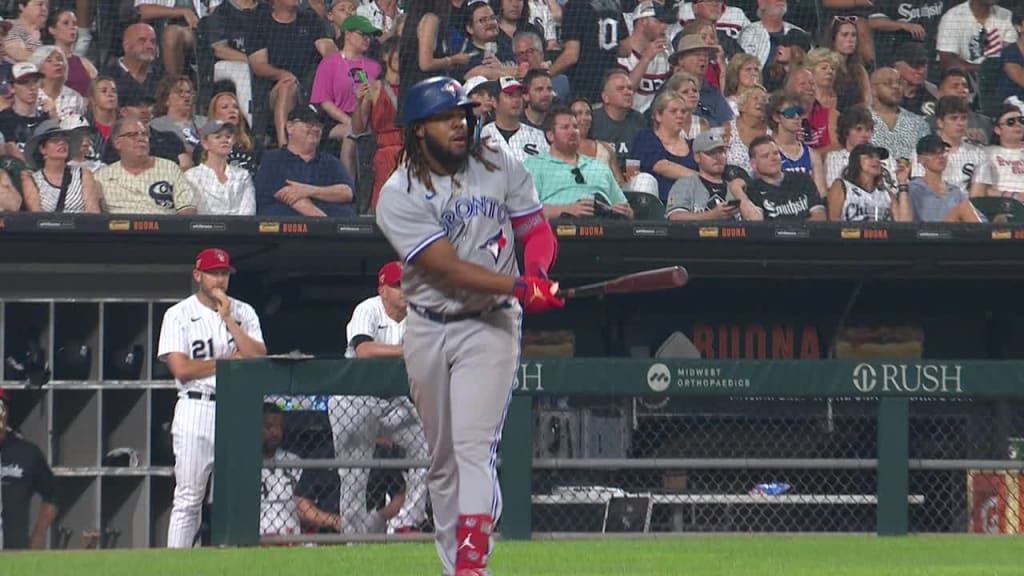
(356,466)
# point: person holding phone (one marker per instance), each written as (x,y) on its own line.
(705,195)
(338,78)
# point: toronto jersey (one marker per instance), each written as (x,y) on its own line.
(473,209)
(198,332)
(369,319)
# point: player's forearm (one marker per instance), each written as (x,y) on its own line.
(185,369)
(47,513)
(310,515)
(378,350)
(440,261)
(248,347)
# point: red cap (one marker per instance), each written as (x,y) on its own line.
(213,259)
(389,274)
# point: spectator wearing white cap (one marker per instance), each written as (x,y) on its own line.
(485,93)
(568,182)
(26,112)
(221,188)
(53,67)
(647,63)
(704,195)
(507,130)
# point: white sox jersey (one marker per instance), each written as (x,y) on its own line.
(278,512)
(527,141)
(658,71)
(472,209)
(370,320)
(198,332)
(960,167)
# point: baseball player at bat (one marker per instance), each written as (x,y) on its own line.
(453,210)
(376,330)
(196,332)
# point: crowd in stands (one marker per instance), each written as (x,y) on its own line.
(842,110)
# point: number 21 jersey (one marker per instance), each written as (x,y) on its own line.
(198,332)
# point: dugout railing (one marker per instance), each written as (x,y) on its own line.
(724,446)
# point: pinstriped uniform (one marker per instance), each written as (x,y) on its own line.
(278,513)
(462,372)
(192,329)
(357,421)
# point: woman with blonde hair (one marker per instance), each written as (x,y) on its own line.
(748,124)
(53,65)
(663,152)
(221,187)
(824,64)
(687,86)
(743,71)
(246,151)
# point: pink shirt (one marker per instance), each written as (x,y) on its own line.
(336,78)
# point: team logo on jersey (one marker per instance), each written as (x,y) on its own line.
(162,193)
(495,244)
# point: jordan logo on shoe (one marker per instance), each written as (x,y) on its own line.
(467,544)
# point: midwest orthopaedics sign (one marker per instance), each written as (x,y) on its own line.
(915,378)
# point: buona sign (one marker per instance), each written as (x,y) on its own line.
(915,378)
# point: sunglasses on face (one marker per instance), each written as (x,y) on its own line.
(1014,121)
(792,112)
(578,175)
(842,19)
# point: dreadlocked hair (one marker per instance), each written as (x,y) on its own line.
(415,159)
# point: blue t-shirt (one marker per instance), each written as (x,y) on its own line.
(649,150)
(1007,87)
(281,165)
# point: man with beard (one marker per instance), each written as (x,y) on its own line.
(485,54)
(567,181)
(453,211)
(136,73)
(595,36)
(761,38)
(896,128)
(705,195)
(647,64)
(507,131)
(206,327)
(537,97)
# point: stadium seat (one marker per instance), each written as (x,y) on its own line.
(645,206)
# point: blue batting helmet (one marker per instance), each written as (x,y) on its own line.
(433,96)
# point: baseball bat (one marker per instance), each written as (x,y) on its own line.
(647,281)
